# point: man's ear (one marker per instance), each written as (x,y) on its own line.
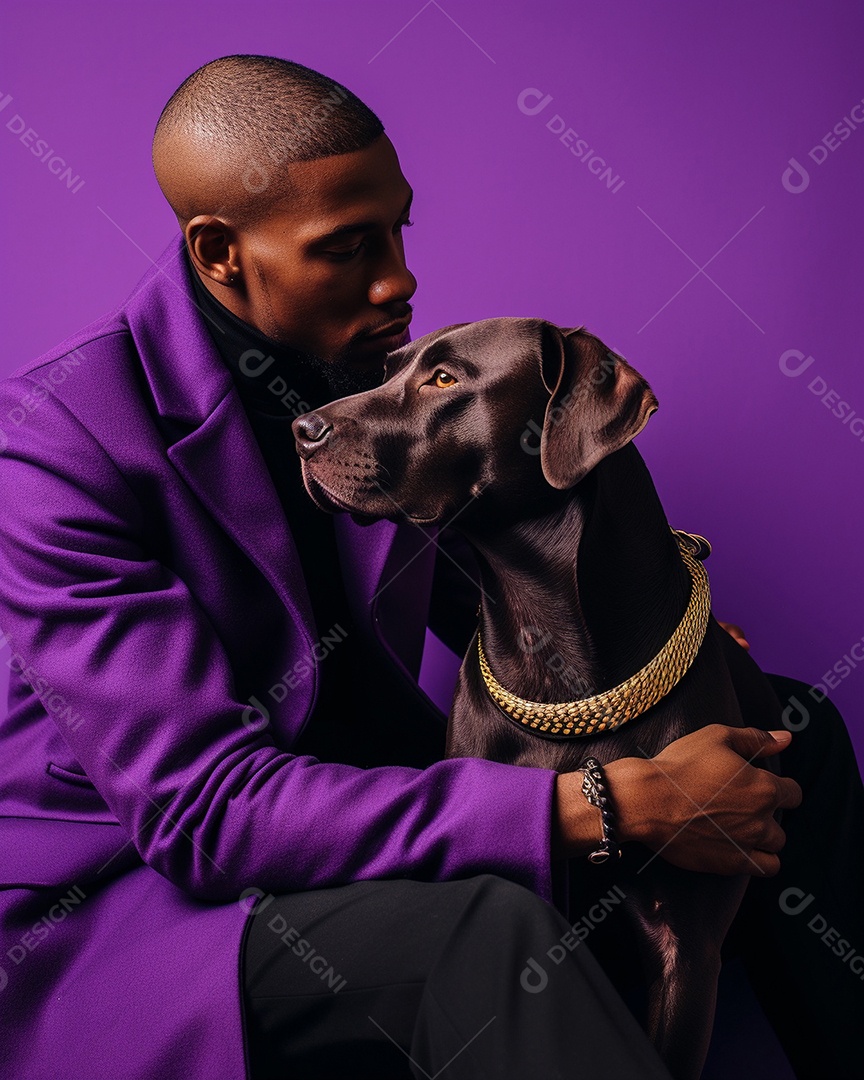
(597,404)
(214,248)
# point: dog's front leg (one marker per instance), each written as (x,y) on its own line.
(683,919)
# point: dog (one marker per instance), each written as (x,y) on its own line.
(518,434)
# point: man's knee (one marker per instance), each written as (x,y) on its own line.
(505,903)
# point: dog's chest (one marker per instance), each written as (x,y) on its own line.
(707,694)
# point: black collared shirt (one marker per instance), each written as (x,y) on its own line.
(365,713)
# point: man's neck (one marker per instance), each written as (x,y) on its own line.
(273,376)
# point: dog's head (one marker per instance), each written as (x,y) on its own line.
(489,415)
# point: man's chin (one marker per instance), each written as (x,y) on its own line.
(346,378)
(349,372)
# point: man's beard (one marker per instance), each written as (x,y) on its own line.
(345,378)
(342,374)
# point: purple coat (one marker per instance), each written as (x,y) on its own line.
(162,666)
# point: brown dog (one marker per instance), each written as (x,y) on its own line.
(517,433)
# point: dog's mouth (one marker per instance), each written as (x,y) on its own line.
(327,500)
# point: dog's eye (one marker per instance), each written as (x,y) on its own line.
(442,379)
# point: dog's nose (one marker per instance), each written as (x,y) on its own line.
(310,432)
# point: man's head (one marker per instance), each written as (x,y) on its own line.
(292,203)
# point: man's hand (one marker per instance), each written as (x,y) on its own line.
(735,631)
(699,803)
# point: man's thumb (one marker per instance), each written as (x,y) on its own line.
(752,742)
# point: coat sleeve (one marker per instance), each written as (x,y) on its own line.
(209,802)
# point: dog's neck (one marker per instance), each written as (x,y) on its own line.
(581,596)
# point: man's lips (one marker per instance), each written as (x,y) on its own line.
(398,326)
(391,330)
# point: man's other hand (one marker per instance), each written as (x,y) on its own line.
(735,631)
(699,803)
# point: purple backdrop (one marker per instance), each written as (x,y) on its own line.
(627,166)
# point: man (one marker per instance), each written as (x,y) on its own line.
(229,840)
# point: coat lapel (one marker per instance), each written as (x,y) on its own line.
(218,455)
(391,568)
(219,458)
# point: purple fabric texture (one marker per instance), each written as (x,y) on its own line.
(150,600)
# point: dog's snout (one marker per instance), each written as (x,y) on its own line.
(311,426)
(310,431)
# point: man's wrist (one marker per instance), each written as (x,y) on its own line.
(630,781)
(577,825)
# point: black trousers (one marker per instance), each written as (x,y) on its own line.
(421,979)
(400,978)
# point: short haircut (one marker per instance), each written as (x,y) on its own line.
(259,113)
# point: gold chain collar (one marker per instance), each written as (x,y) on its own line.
(634,696)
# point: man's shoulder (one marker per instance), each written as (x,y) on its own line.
(103,375)
(73,379)
(97,348)
(100,339)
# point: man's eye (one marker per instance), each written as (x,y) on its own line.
(442,379)
(343,256)
(405,224)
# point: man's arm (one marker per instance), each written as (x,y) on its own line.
(700,803)
(212,803)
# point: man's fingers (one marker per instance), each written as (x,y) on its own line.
(754,743)
(735,632)
(789,794)
(774,840)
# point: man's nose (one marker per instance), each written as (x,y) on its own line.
(394,281)
(310,432)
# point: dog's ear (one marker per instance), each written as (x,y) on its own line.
(597,404)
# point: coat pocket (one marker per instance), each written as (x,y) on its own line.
(81,779)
